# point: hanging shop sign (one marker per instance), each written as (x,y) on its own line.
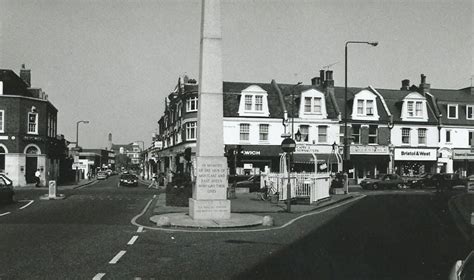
(462,154)
(415,154)
(368,149)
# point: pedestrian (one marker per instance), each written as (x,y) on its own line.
(154,182)
(37,178)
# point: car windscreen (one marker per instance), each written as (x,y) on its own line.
(128,177)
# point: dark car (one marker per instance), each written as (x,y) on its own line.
(129,180)
(420,182)
(386,181)
(446,180)
(253,183)
(6,189)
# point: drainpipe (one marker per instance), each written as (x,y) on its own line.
(282,103)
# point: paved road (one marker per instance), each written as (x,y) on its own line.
(387,235)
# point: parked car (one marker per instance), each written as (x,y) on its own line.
(463,269)
(6,189)
(420,182)
(253,183)
(446,180)
(383,181)
(128,180)
(101,175)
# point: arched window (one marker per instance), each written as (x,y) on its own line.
(32,150)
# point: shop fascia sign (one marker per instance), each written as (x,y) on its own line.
(463,154)
(368,149)
(302,148)
(415,154)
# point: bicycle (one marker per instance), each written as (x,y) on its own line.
(268,192)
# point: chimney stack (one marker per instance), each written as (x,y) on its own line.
(424,87)
(405,84)
(321,76)
(25,75)
(316,81)
(329,82)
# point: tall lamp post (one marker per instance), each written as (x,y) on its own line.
(346,146)
(143,163)
(77,131)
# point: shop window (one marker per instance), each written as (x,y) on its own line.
(244,132)
(356,133)
(469,112)
(322,134)
(471,135)
(304,132)
(192,104)
(2,121)
(32,123)
(422,136)
(448,136)
(372,134)
(190,131)
(263,132)
(452,111)
(405,135)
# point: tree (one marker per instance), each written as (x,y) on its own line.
(122,161)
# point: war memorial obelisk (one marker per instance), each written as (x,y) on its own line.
(209,201)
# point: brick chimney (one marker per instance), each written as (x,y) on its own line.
(405,84)
(424,87)
(316,81)
(25,75)
(329,82)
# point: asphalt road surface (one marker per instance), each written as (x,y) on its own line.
(89,235)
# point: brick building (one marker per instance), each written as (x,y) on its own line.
(28,130)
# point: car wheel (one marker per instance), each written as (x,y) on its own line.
(375,187)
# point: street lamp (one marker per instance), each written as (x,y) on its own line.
(346,146)
(77,131)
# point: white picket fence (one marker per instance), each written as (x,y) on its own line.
(314,186)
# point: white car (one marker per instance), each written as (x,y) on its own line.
(463,269)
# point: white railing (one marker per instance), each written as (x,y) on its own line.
(314,186)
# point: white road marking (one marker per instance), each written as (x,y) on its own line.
(140,229)
(23,207)
(117,257)
(6,213)
(98,276)
(134,238)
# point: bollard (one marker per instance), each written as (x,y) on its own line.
(267,221)
(52,189)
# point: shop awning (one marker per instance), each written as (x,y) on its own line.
(309,159)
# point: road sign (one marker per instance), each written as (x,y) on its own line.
(288,145)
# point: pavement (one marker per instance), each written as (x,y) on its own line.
(69,186)
(246,210)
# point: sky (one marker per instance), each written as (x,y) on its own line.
(114,62)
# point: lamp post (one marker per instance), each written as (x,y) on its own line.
(346,146)
(143,158)
(77,131)
(293,109)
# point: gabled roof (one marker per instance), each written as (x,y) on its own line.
(232,97)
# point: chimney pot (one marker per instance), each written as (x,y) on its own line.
(316,81)
(321,76)
(423,79)
(405,84)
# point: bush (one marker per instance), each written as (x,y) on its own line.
(179,191)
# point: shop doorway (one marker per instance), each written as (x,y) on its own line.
(31,164)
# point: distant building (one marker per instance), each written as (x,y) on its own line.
(28,131)
(132,151)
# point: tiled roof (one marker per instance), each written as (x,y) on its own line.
(13,84)
(461,97)
(232,97)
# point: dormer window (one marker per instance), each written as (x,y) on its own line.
(254,102)
(452,111)
(312,105)
(370,107)
(414,108)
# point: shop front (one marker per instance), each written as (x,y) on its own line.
(463,161)
(368,161)
(250,159)
(306,155)
(415,161)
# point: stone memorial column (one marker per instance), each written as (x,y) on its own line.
(209,199)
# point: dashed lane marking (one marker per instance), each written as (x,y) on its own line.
(28,204)
(132,240)
(140,229)
(117,257)
(98,276)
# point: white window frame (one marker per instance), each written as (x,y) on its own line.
(2,121)
(263,132)
(258,103)
(244,130)
(422,137)
(191,128)
(409,131)
(376,135)
(248,102)
(470,107)
(35,123)
(371,107)
(190,103)
(455,106)
(304,136)
(360,107)
(325,135)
